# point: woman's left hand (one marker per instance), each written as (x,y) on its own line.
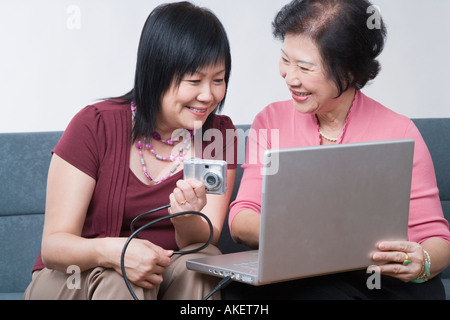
(189,195)
(394,256)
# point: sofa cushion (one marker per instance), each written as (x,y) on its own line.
(434,132)
(24,162)
(23,168)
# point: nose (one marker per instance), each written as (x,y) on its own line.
(291,75)
(206,94)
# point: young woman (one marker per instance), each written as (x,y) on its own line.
(124,156)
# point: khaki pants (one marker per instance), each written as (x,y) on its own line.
(106,284)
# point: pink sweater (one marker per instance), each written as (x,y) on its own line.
(367,121)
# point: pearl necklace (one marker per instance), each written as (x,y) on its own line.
(187,141)
(328,138)
(343,128)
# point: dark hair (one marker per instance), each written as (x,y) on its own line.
(340,29)
(177,40)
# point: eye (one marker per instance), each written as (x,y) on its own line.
(219,81)
(194,81)
(284,60)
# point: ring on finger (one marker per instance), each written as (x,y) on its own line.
(183,202)
(406,261)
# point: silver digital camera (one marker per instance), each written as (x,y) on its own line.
(213,173)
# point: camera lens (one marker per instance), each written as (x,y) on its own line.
(212,181)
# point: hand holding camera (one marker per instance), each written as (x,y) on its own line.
(200,177)
(213,173)
(189,195)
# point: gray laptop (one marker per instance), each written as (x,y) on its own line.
(324,208)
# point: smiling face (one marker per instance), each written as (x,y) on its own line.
(192,101)
(303,70)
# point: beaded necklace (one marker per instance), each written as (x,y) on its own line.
(328,138)
(177,159)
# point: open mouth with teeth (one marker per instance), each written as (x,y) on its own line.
(197,111)
(300,96)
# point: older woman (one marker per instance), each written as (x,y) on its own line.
(122,157)
(327,56)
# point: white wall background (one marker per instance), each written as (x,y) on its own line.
(56,56)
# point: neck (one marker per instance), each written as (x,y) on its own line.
(164,131)
(335,118)
(164,135)
(175,136)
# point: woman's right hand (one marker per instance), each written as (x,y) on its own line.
(69,194)
(144,261)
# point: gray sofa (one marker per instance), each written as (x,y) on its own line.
(24,161)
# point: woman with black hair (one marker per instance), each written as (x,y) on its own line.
(328,55)
(124,156)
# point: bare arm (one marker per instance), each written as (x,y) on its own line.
(69,192)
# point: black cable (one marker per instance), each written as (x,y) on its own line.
(146,214)
(135,233)
(222,284)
